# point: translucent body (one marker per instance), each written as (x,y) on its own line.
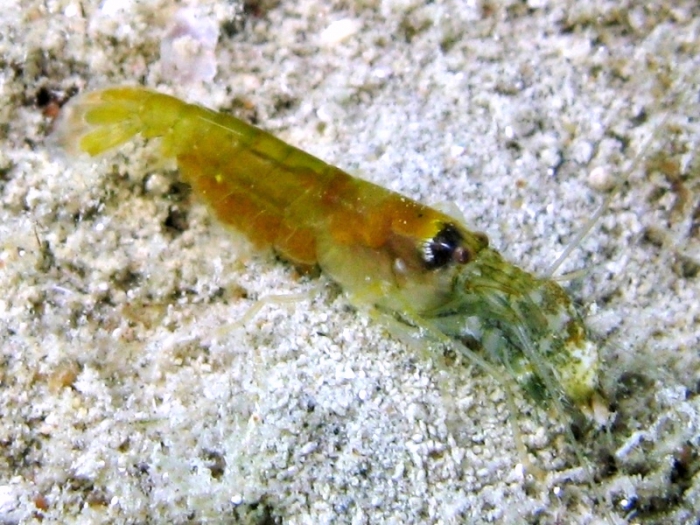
(389,253)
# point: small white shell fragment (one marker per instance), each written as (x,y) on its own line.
(601,179)
(187,52)
(339,30)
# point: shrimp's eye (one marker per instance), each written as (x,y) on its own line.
(446,247)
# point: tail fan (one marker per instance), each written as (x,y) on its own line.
(98,121)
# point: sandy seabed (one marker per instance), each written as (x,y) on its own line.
(129,394)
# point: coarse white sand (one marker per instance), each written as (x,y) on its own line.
(130,395)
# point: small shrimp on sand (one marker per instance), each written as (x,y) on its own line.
(390,254)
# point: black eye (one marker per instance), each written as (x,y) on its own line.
(444,248)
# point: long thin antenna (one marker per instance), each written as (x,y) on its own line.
(590,224)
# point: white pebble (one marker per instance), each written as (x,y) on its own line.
(339,30)
(601,179)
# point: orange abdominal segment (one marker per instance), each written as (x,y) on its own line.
(281,197)
(232,204)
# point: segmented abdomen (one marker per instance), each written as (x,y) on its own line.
(276,194)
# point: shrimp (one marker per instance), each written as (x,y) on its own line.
(404,260)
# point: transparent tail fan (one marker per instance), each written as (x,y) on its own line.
(98,121)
